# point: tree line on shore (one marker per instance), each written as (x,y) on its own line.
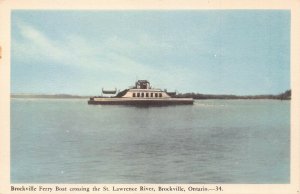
(282,96)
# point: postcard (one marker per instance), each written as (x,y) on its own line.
(149,97)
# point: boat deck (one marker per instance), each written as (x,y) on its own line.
(141,101)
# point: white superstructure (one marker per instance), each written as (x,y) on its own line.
(143,89)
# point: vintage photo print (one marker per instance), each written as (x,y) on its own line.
(152,97)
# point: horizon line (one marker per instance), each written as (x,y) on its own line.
(86,95)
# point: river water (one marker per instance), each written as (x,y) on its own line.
(212,141)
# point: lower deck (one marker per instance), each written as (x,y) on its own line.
(141,102)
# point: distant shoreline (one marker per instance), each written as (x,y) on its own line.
(49,96)
(283,96)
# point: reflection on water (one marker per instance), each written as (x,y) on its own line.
(212,141)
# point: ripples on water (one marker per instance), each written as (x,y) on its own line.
(212,141)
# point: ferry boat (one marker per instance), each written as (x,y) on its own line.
(142,94)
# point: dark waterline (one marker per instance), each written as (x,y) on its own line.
(212,141)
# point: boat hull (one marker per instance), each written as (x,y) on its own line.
(141,102)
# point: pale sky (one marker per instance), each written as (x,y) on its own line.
(211,52)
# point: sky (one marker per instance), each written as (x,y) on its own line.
(241,52)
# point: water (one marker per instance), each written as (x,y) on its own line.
(212,141)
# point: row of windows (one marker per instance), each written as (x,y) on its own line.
(147,95)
